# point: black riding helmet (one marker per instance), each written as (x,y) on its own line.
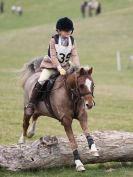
(64,24)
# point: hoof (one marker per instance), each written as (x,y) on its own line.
(94,150)
(30,134)
(79,166)
(95,153)
(21,140)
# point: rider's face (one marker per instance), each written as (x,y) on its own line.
(65,33)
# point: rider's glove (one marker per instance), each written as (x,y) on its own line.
(61,70)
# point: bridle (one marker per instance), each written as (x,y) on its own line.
(78,90)
(75,93)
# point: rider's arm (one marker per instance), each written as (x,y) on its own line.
(53,55)
(75,56)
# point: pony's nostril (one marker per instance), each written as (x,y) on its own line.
(89,106)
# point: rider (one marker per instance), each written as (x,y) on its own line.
(62,49)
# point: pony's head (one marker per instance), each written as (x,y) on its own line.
(85,85)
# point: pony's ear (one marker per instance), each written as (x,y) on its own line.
(90,71)
(82,71)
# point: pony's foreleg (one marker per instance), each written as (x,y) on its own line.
(31,130)
(26,119)
(84,125)
(67,123)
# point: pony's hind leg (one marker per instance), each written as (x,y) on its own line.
(26,119)
(31,130)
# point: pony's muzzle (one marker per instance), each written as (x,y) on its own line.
(88,106)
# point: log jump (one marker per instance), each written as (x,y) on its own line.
(48,151)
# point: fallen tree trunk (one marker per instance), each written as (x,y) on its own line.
(50,152)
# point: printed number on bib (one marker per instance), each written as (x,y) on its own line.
(64,58)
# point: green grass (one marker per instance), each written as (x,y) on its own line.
(92,170)
(98,39)
(44,11)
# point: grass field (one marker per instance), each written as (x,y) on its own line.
(98,39)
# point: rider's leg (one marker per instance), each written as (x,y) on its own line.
(45,74)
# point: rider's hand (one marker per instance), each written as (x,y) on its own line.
(61,70)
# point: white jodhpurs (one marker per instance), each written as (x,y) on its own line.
(45,74)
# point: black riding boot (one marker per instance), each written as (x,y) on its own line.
(33,99)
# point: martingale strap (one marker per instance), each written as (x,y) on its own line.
(75,99)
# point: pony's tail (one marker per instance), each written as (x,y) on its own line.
(29,69)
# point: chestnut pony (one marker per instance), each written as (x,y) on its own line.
(70,96)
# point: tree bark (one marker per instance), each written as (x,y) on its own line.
(50,152)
